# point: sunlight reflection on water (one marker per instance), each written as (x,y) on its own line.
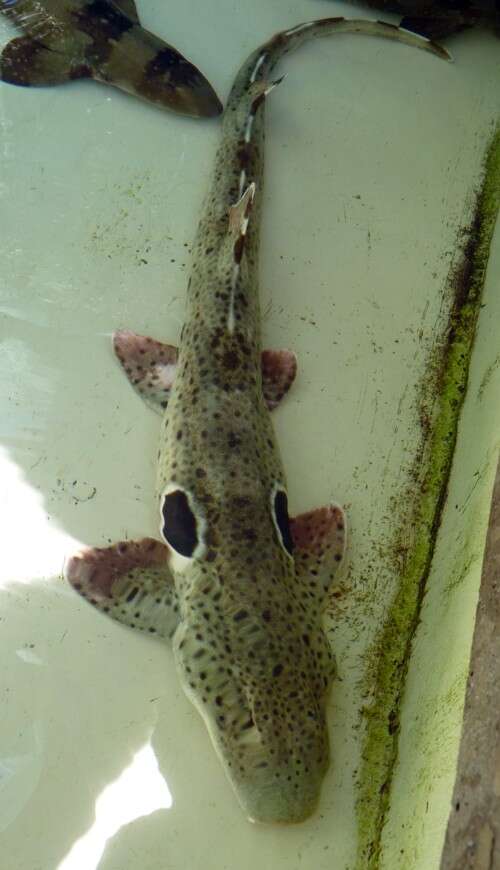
(138,791)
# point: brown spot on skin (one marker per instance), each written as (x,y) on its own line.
(82,71)
(241,614)
(103,23)
(238,249)
(230,360)
(244,154)
(19,59)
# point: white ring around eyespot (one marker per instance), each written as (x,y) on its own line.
(279,487)
(177,561)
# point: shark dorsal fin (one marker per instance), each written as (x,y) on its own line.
(239,213)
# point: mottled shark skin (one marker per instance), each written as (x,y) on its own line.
(238,584)
(101,39)
(438,19)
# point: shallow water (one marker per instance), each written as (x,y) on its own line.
(373,156)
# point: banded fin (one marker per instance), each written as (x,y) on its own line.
(150,367)
(259,90)
(319,538)
(131,582)
(240,211)
(29,63)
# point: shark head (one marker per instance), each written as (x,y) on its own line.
(252,656)
(262,696)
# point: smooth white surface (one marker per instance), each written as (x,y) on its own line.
(372,159)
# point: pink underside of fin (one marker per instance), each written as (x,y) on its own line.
(148,364)
(320,530)
(93,572)
(279,368)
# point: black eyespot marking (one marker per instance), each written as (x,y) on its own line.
(179,523)
(281,517)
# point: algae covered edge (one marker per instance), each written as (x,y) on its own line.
(442,395)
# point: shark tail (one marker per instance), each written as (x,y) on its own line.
(167,79)
(295,36)
(261,63)
(29,63)
(104,41)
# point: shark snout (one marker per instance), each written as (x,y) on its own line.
(278,778)
(289,798)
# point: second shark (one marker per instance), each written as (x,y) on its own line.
(237,583)
(73,39)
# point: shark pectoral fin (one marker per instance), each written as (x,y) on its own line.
(149,366)
(129,9)
(279,368)
(129,581)
(319,542)
(29,63)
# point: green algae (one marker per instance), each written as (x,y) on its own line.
(421,508)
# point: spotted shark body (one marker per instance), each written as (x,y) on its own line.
(238,584)
(103,40)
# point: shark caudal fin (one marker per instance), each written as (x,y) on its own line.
(102,40)
(29,63)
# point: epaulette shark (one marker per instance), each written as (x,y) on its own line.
(236,583)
